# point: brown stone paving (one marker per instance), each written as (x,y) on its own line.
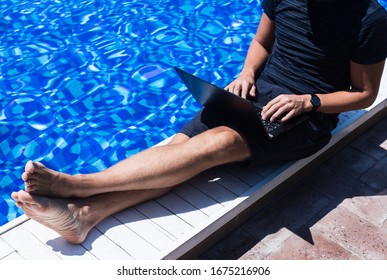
(370,208)
(338,211)
(353,233)
(296,248)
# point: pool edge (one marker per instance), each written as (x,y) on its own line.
(14,223)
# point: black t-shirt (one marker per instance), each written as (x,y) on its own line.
(316,40)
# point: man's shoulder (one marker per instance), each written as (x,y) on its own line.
(375,15)
(375,9)
(269,7)
(370,45)
(371,10)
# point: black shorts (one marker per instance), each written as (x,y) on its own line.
(300,142)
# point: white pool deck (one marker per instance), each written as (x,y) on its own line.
(182,223)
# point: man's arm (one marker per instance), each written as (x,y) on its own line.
(259,50)
(365,87)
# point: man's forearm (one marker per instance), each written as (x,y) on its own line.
(343,101)
(260,47)
(255,59)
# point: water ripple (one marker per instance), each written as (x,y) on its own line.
(84,84)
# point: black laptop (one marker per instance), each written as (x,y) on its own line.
(224,102)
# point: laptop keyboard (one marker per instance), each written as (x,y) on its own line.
(272,128)
(277,127)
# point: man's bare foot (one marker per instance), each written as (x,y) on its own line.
(40,180)
(69,218)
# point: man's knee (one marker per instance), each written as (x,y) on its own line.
(179,138)
(225,141)
(227,137)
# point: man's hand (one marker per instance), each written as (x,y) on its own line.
(286,106)
(243,86)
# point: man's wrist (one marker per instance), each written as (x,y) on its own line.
(307,104)
(248,71)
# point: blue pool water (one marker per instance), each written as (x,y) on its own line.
(84,84)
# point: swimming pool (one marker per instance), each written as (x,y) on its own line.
(85,84)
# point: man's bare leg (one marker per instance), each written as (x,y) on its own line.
(157,167)
(74,218)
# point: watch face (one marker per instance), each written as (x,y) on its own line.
(315,101)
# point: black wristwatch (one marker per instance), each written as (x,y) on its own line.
(315,100)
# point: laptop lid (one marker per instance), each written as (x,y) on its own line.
(216,98)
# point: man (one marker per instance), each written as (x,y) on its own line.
(317,57)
